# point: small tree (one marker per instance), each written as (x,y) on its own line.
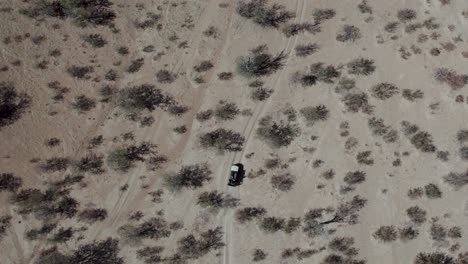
(95,40)
(154,228)
(192,248)
(306,50)
(80,72)
(143,97)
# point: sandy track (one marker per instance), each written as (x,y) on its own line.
(228,216)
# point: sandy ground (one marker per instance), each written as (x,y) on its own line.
(24,140)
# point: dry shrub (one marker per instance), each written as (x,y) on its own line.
(260,63)
(384,91)
(451,78)
(306,50)
(189,176)
(348,33)
(385,234)
(283,182)
(222,140)
(9,182)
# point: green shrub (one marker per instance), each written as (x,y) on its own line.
(91,163)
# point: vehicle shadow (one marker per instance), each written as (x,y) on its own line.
(241,173)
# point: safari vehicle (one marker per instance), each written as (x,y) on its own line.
(237,172)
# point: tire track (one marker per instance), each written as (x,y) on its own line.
(249,128)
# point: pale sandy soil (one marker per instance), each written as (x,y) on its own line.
(24,140)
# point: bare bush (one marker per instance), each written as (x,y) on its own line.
(226,111)
(262,14)
(217,200)
(203,66)
(165,76)
(408,233)
(124,158)
(384,91)
(456,180)
(348,33)
(82,12)
(12,104)
(80,72)
(259,255)
(320,15)
(283,182)
(189,176)
(93,215)
(432,191)
(91,163)
(222,140)
(416,214)
(277,134)
(405,15)
(54,165)
(260,63)
(9,182)
(451,78)
(95,40)
(154,228)
(82,103)
(433,258)
(249,213)
(143,97)
(306,50)
(385,234)
(361,66)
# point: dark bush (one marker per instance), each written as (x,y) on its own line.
(313,114)
(192,248)
(143,97)
(135,65)
(259,255)
(412,95)
(454,232)
(203,66)
(12,104)
(320,15)
(4,224)
(83,103)
(260,63)
(124,158)
(222,140)
(217,200)
(385,234)
(432,191)
(95,40)
(306,50)
(261,93)
(354,177)
(266,16)
(283,182)
(150,21)
(405,15)
(408,233)
(83,12)
(423,141)
(55,164)
(189,176)
(317,73)
(9,182)
(272,224)
(93,215)
(226,111)
(450,77)
(364,7)
(204,115)
(416,214)
(154,228)
(438,232)
(180,129)
(165,76)
(356,102)
(434,258)
(91,163)
(415,193)
(348,33)
(225,76)
(384,91)
(457,180)
(343,245)
(277,134)
(80,72)
(361,66)
(249,213)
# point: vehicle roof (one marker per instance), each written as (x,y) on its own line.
(234,168)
